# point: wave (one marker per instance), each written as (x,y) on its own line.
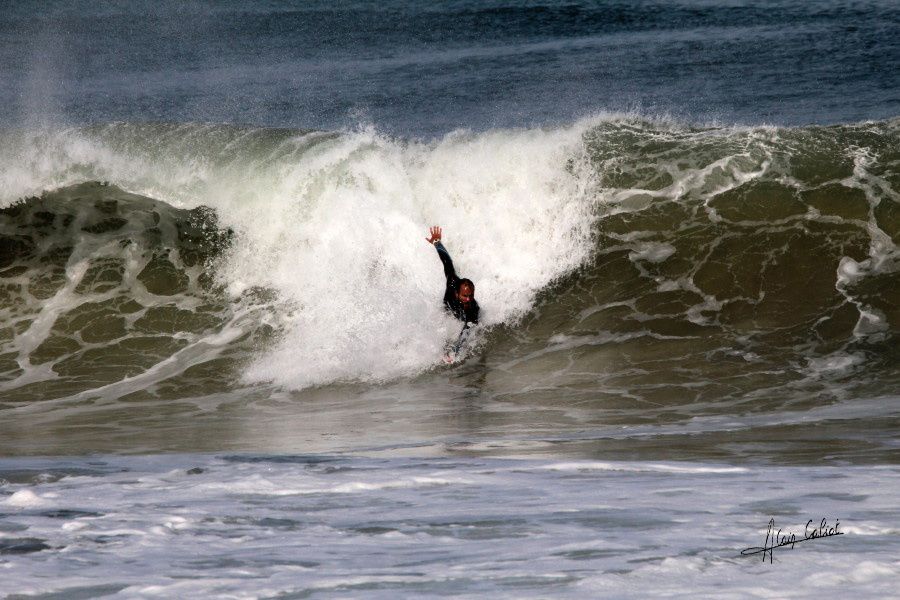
(611,253)
(333,226)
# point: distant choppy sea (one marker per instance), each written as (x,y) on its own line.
(221,335)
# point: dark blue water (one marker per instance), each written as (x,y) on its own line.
(423,68)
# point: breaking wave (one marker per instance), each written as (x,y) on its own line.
(172,260)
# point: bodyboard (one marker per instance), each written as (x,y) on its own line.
(456,351)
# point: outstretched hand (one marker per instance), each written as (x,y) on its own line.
(435,235)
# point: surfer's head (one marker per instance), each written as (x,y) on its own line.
(466,292)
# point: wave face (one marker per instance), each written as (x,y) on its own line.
(615,258)
(730,267)
(108,291)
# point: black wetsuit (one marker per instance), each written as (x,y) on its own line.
(454,306)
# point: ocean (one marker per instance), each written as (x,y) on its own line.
(221,331)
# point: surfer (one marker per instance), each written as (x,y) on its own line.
(459,296)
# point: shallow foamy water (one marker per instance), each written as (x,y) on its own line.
(251,526)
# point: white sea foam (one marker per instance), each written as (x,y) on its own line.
(867,529)
(471,527)
(652,252)
(639,467)
(356,265)
(837,362)
(25,499)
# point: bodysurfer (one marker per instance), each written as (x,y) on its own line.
(459,296)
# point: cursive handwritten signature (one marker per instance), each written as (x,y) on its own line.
(774,539)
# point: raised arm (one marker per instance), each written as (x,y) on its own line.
(435,239)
